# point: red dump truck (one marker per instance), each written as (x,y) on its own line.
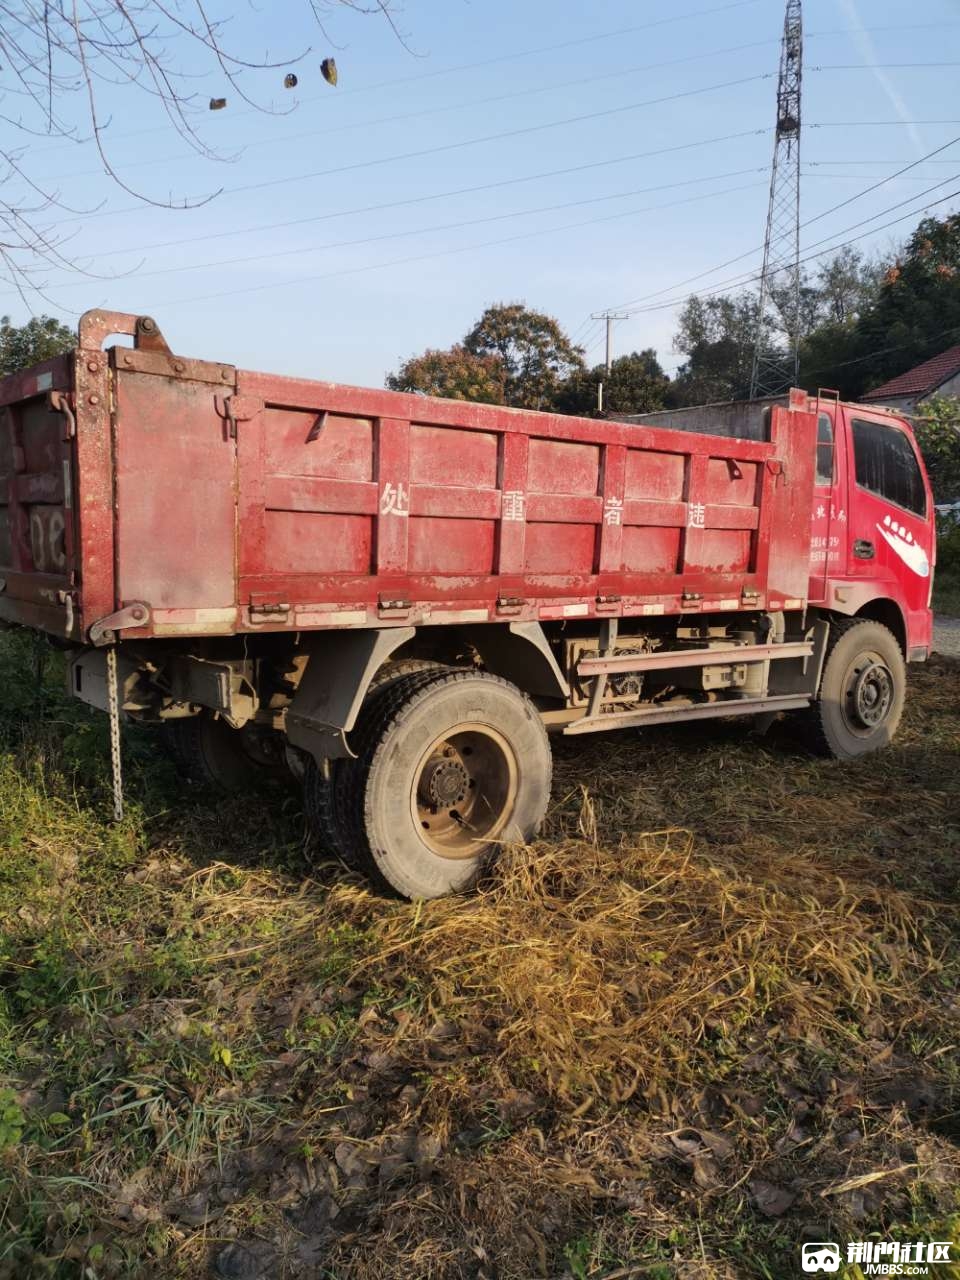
(400,598)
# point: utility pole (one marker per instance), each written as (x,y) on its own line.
(610,316)
(772,372)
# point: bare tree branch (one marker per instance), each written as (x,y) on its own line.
(59,57)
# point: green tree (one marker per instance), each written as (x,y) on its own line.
(536,355)
(847,285)
(716,335)
(917,312)
(937,428)
(457,374)
(635,384)
(27,344)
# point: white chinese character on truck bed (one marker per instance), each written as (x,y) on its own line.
(697,515)
(512,505)
(394,500)
(613,511)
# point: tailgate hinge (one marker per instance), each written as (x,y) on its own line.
(104,630)
(275,610)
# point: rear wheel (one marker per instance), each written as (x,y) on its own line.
(862,690)
(209,751)
(324,795)
(450,768)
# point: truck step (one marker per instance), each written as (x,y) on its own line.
(701,711)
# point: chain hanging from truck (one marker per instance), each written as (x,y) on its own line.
(113,702)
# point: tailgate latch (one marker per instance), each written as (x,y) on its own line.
(60,402)
(234,409)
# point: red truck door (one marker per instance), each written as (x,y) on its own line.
(889,531)
(828,525)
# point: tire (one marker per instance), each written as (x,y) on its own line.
(323,785)
(449,768)
(862,691)
(208,751)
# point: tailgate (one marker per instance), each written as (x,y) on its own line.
(37,523)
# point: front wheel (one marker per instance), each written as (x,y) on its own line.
(862,690)
(451,767)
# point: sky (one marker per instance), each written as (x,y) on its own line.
(574,155)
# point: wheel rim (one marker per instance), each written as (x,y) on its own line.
(868,694)
(463,790)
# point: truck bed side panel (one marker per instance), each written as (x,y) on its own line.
(354,501)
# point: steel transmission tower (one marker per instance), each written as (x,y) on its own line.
(773,369)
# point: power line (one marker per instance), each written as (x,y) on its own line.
(442,253)
(913,164)
(430,111)
(303,249)
(880,66)
(448,226)
(446,147)
(858,177)
(746,133)
(466,66)
(439,195)
(874,160)
(424,257)
(153,161)
(471,66)
(728,286)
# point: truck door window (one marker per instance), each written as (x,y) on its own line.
(824,450)
(887,466)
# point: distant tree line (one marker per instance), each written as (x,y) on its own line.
(862,320)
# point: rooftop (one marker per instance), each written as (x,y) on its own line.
(921,379)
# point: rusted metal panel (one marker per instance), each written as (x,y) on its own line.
(176,495)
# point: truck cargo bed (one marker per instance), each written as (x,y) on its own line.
(215,500)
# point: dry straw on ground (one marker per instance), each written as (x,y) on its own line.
(641,1049)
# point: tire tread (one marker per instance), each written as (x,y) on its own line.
(814,719)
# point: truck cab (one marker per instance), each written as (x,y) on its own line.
(873,535)
(873,529)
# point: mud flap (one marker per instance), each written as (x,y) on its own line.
(328,699)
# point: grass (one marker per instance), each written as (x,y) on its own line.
(712,1013)
(946,592)
(946,578)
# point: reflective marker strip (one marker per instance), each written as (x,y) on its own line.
(456,615)
(330,618)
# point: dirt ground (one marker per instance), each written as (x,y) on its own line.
(946,636)
(711,1015)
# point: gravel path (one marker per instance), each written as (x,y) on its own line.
(946,636)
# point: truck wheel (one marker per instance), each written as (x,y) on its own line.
(862,690)
(208,751)
(450,767)
(323,790)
